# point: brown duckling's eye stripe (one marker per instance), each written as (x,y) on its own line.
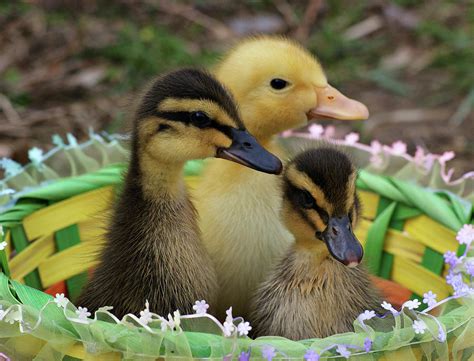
(293,192)
(185,117)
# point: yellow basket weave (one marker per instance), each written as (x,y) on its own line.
(53,233)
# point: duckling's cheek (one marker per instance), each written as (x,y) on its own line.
(295,223)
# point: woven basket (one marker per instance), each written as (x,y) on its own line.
(54,219)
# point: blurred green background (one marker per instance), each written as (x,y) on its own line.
(68,66)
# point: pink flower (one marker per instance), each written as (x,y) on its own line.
(352,138)
(376,161)
(446,156)
(330,131)
(376,146)
(316,130)
(399,148)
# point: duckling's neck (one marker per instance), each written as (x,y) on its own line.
(314,249)
(159,179)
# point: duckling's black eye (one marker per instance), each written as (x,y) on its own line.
(200,119)
(306,200)
(278,84)
(163,127)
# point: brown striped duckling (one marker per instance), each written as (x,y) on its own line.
(153,249)
(278,85)
(319,287)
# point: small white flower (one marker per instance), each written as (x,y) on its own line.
(366,315)
(3,245)
(229,317)
(352,138)
(244,328)
(316,130)
(60,300)
(82,313)
(388,306)
(164,324)
(412,304)
(200,307)
(36,155)
(399,148)
(12,316)
(419,327)
(343,351)
(145,315)
(229,328)
(429,298)
(466,234)
(177,318)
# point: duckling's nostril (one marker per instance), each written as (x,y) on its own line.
(247,145)
(334,230)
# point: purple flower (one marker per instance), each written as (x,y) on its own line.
(343,351)
(429,298)
(466,234)
(268,352)
(450,258)
(311,355)
(441,335)
(470,268)
(367,344)
(244,356)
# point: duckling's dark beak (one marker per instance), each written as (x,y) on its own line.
(341,241)
(247,151)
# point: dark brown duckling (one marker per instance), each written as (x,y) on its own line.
(319,288)
(153,250)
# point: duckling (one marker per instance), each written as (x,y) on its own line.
(153,249)
(319,287)
(278,86)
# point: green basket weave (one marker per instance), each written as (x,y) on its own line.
(52,213)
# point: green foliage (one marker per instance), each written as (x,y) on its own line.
(140,53)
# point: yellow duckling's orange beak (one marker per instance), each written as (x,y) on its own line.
(333,104)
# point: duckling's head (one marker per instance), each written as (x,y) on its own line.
(279,85)
(321,204)
(187,114)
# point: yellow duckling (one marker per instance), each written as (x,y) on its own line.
(153,249)
(278,86)
(318,288)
